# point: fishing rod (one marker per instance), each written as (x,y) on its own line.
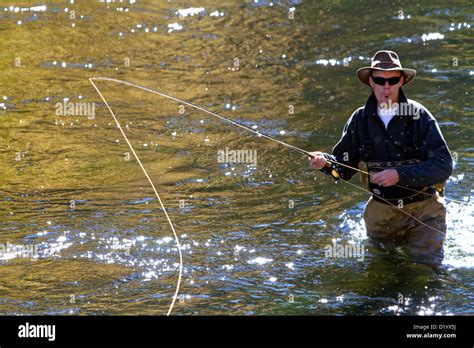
(260,134)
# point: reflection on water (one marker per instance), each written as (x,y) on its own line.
(80,230)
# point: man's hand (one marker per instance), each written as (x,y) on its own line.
(388,177)
(318,161)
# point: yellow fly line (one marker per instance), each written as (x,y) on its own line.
(156,193)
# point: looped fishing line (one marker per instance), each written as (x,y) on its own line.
(156,193)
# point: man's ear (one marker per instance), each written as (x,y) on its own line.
(371,83)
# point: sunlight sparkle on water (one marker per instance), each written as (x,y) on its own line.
(259,261)
(191,11)
(174,26)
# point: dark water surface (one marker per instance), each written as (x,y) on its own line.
(253,239)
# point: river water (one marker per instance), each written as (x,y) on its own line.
(254,238)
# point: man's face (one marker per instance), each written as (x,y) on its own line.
(386,92)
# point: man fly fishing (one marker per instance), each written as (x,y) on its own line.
(398,143)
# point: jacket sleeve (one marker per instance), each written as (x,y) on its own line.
(345,152)
(437,164)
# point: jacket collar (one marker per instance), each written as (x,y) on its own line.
(371,105)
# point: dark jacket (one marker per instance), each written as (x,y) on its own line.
(365,138)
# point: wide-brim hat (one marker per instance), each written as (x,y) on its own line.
(385,61)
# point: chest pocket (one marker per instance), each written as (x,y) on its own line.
(408,145)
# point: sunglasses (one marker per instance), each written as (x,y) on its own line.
(381,81)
